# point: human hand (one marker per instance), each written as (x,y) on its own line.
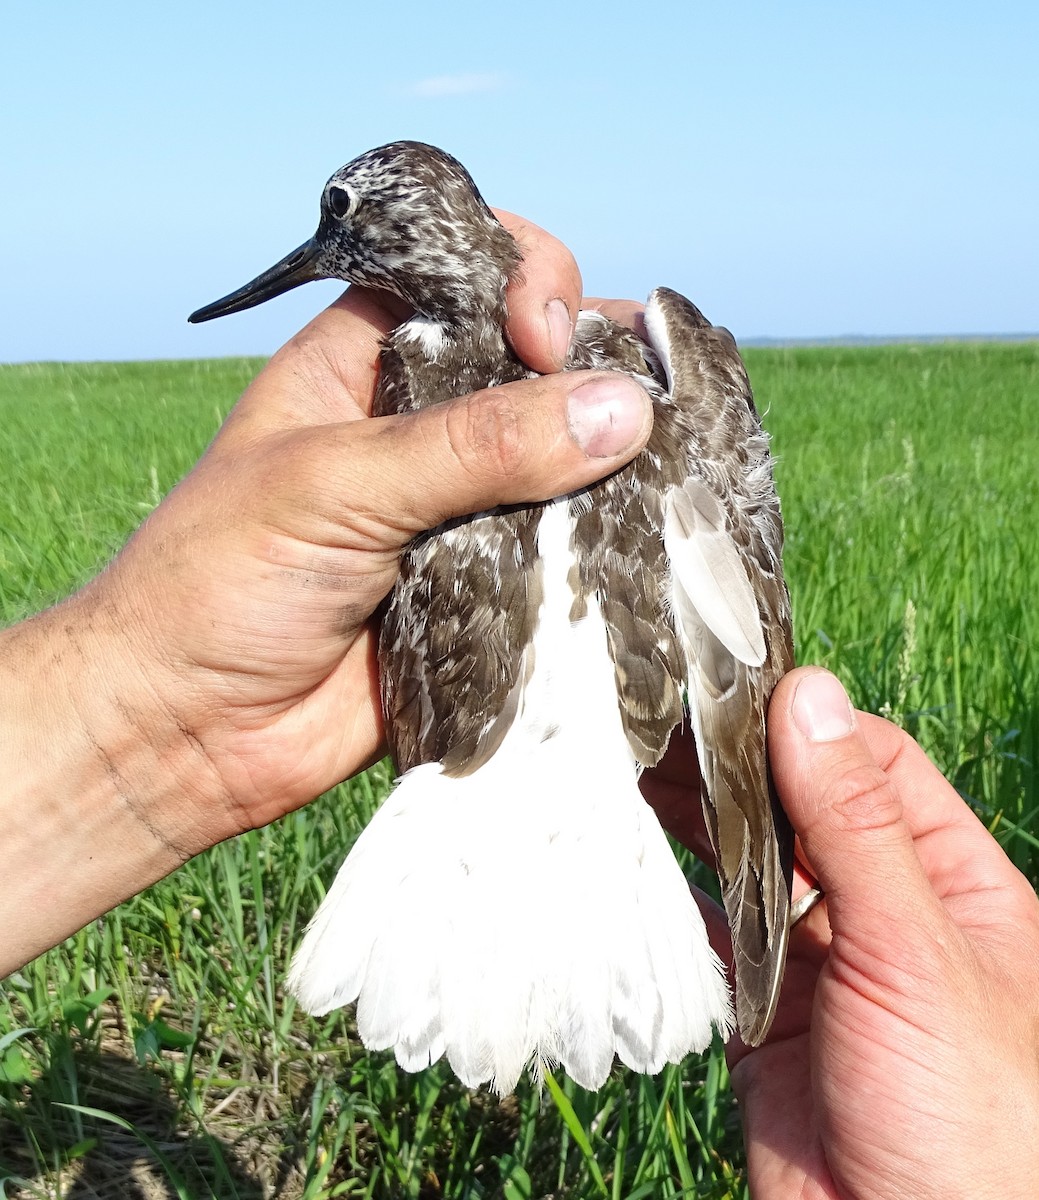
(221,671)
(248,595)
(904,1057)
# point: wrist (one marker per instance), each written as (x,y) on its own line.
(101,790)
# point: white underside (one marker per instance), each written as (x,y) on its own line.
(532,912)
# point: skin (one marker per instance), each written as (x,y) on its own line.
(220,673)
(904,1056)
(909,1031)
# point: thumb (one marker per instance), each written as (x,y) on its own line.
(518,443)
(846,810)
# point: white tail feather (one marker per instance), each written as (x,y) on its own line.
(529,913)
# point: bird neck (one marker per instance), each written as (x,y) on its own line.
(462,283)
(474,341)
(470,295)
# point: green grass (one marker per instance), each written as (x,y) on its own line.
(155,1054)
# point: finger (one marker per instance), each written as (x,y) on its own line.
(624,312)
(967,868)
(717,928)
(801,971)
(521,442)
(847,810)
(930,800)
(672,789)
(543,298)
(325,374)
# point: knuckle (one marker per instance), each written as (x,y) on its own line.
(487,434)
(864,798)
(561,258)
(549,266)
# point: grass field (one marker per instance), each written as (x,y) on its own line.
(154,1054)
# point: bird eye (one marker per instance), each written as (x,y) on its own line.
(340,201)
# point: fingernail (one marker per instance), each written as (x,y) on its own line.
(821,708)
(606,416)
(560,329)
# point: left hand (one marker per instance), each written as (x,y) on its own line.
(904,1056)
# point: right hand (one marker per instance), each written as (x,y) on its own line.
(904,1058)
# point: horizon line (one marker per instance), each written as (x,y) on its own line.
(758,342)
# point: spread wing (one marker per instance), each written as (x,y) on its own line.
(723,538)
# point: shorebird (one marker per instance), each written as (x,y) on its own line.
(514,903)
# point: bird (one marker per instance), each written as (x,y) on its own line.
(514,904)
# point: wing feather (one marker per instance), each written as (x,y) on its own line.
(723,539)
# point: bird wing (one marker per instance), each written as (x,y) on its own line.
(620,558)
(454,649)
(723,539)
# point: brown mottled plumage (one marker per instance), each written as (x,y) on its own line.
(667,574)
(752,838)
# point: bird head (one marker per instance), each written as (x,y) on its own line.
(405,218)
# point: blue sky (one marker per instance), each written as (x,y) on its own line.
(797,169)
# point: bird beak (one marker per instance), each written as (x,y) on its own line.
(301,266)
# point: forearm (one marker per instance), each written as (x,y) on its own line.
(100,792)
